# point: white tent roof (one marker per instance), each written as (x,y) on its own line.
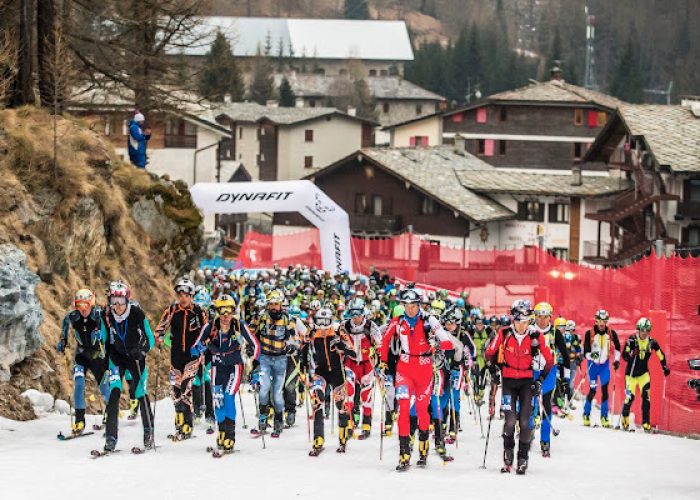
(320,38)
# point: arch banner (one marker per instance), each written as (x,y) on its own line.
(301,196)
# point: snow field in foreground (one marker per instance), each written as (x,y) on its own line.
(586,463)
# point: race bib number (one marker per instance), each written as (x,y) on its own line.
(506,402)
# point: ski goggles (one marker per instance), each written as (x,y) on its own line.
(356,313)
(117,301)
(224,310)
(323,321)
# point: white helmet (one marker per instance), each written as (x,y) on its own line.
(185,285)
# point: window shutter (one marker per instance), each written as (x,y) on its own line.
(481,115)
(489,147)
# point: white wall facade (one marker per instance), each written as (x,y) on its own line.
(333,139)
(429,127)
(248,147)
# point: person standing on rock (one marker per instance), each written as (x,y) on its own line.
(138,139)
(84,320)
(128,338)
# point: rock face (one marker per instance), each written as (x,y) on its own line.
(20,311)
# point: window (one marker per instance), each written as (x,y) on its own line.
(419,109)
(226,151)
(693,236)
(312,103)
(480,146)
(428,206)
(308,161)
(602,118)
(503,116)
(693,190)
(385,107)
(343,72)
(531,211)
(457,118)
(578,150)
(501,147)
(180,134)
(308,136)
(384,72)
(578,117)
(377,205)
(419,141)
(592,119)
(481,115)
(240,132)
(559,212)
(486,147)
(559,253)
(361,203)
(262,130)
(262,157)
(373,72)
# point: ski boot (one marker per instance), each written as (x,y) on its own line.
(366,427)
(522,466)
(605,422)
(423,448)
(317,447)
(545,449)
(110,444)
(210,425)
(646,427)
(441,451)
(625,422)
(220,436)
(537,421)
(344,434)
(229,437)
(262,422)
(133,409)
(289,419)
(586,420)
(78,427)
(148,441)
(277,427)
(388,429)
(404,454)
(507,460)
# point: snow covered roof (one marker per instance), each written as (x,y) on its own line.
(381,87)
(253,112)
(320,38)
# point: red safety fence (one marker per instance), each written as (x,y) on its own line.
(667,290)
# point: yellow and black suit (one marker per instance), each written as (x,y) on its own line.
(637,353)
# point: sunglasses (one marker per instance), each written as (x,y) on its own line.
(224,310)
(323,322)
(117,301)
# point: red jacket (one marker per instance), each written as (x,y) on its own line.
(414,342)
(516,358)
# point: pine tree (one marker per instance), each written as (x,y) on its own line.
(356,9)
(220,75)
(262,87)
(627,81)
(287,97)
(363,101)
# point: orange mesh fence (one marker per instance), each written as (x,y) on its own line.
(667,290)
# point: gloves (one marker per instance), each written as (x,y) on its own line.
(565,388)
(382,368)
(667,371)
(290,349)
(197,349)
(249,350)
(434,342)
(159,339)
(138,353)
(536,387)
(96,337)
(616,364)
(61,347)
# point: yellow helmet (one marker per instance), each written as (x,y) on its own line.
(438,305)
(560,322)
(275,297)
(224,304)
(543,309)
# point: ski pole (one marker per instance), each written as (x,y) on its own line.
(454,422)
(147,405)
(307,395)
(555,431)
(619,418)
(240,399)
(257,412)
(382,420)
(70,403)
(486,448)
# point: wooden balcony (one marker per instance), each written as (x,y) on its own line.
(368,223)
(689,209)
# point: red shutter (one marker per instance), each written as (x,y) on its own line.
(592,119)
(481,115)
(424,141)
(412,141)
(489,147)
(457,118)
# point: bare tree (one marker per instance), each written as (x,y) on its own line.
(133,44)
(8,64)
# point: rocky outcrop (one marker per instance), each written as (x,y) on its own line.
(20,311)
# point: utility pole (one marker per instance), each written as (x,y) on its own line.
(666,92)
(589,78)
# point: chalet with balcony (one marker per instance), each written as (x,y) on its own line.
(544,125)
(656,147)
(455,199)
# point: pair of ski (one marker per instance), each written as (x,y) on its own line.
(520,470)
(220,453)
(255,433)
(136,450)
(317,451)
(423,463)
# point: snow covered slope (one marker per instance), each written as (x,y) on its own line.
(586,463)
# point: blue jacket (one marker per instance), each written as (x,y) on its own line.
(137,144)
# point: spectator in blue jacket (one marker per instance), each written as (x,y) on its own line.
(138,137)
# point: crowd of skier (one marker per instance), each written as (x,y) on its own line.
(341,345)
